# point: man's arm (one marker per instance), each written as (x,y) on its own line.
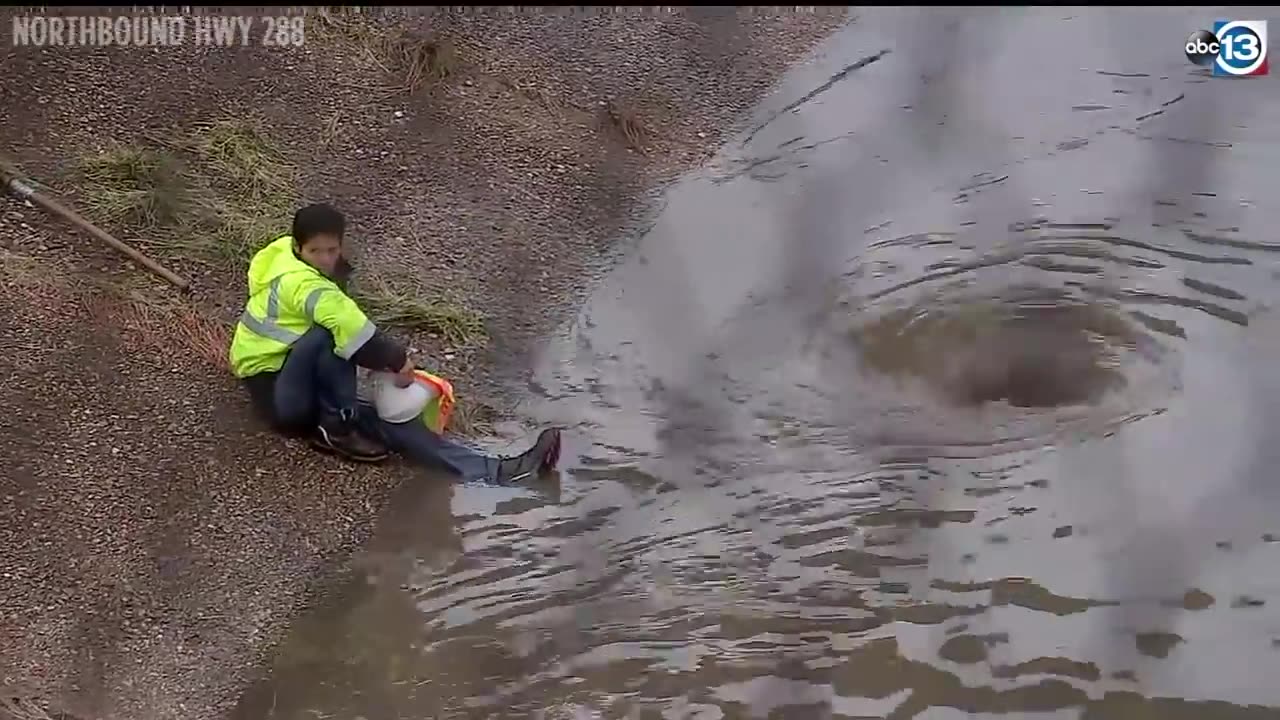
(355,337)
(381,353)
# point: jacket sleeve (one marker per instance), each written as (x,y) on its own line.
(381,353)
(326,305)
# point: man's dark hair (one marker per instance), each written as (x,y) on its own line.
(318,219)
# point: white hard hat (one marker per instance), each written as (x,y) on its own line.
(400,405)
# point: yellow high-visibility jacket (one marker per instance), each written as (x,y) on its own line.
(287,297)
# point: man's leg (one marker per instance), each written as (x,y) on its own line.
(297,386)
(417,442)
(317,389)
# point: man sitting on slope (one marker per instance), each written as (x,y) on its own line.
(300,339)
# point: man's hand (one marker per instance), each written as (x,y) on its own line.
(405,376)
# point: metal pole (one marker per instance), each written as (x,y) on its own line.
(16,184)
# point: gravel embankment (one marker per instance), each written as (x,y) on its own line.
(154,541)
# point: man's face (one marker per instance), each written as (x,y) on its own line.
(322,252)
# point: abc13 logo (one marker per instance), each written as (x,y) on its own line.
(1234,48)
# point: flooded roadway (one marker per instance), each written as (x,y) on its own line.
(946,392)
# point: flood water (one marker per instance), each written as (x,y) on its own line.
(945,393)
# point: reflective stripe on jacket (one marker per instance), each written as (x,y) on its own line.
(287,297)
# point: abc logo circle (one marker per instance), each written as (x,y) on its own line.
(1203,48)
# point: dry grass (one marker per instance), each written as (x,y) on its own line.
(134,185)
(417,62)
(627,122)
(164,327)
(410,62)
(249,188)
(472,419)
(157,321)
(388,306)
(216,195)
(153,319)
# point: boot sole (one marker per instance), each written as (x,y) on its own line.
(331,450)
(550,455)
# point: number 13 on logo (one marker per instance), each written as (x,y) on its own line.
(1242,48)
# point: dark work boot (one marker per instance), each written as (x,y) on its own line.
(342,437)
(540,458)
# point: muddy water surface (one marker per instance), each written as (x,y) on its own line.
(947,391)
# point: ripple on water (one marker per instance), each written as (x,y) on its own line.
(1025,343)
(967,357)
(680,595)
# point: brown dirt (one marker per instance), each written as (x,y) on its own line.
(154,541)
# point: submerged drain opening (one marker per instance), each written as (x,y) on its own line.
(1029,355)
(1030,366)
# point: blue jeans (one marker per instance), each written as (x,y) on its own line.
(415,441)
(316,383)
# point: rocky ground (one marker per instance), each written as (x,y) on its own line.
(154,542)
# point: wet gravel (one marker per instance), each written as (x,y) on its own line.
(153,542)
(141,561)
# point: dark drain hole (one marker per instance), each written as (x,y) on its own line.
(1070,376)
(1039,357)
